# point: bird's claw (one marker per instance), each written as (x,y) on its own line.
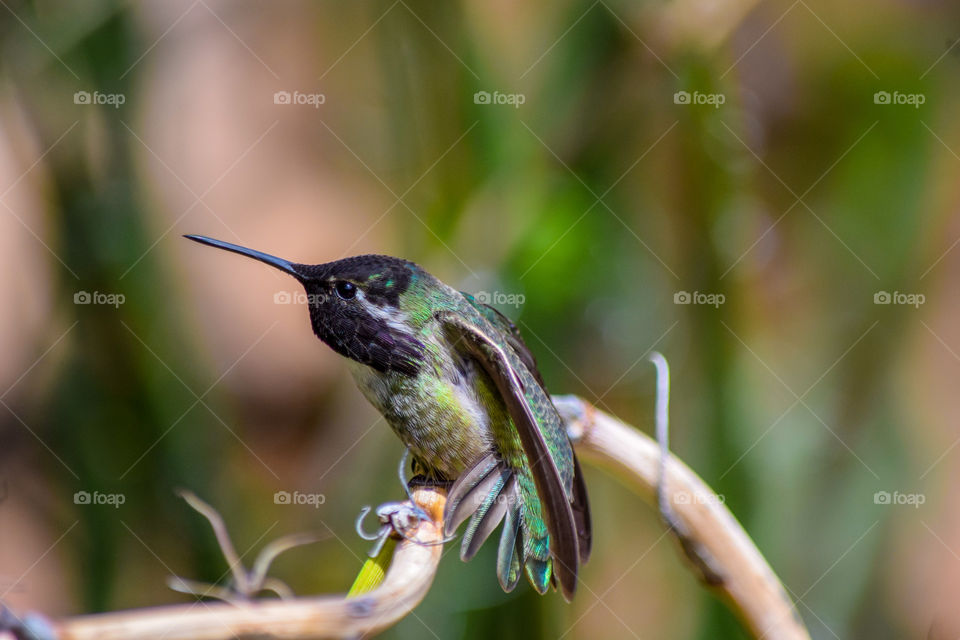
(402,516)
(395,518)
(398,519)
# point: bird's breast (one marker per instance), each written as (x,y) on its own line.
(443,414)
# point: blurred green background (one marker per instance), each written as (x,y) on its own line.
(796,165)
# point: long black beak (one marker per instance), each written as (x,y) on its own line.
(284,265)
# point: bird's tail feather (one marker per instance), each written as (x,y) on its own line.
(536,539)
(488,493)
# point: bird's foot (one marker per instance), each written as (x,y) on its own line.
(397,519)
(245,584)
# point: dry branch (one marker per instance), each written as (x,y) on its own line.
(722,553)
(710,536)
(406,583)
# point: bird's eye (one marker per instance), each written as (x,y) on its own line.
(346,290)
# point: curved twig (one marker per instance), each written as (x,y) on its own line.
(406,583)
(711,538)
(720,550)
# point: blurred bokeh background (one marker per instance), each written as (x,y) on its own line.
(788,169)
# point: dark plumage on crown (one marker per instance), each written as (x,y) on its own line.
(383,278)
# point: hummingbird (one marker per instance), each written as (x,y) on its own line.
(455,381)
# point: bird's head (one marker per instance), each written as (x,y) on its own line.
(365,307)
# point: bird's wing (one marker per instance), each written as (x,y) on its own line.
(558,514)
(580,503)
(514,339)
